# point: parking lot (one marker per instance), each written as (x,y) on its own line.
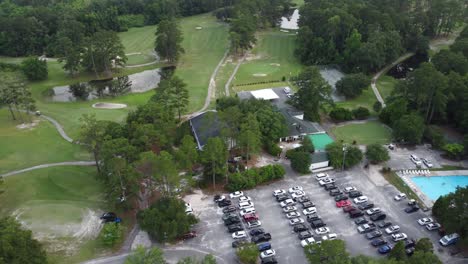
(215,239)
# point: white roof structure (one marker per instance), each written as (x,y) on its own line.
(265,94)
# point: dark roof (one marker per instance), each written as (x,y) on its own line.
(319,157)
(205,126)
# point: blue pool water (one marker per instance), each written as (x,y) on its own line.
(436,186)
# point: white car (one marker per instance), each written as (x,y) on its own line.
(267,253)
(287,202)
(243,205)
(349,189)
(399,197)
(236,194)
(425,221)
(433,226)
(373,211)
(428,163)
(278,192)
(295,189)
(321,176)
(296,221)
(415,160)
(331,236)
(399,237)
(309,211)
(245,211)
(188,208)
(326,181)
(289,208)
(307,241)
(361,199)
(392,229)
(297,194)
(239,235)
(292,215)
(322,230)
(253,224)
(222,197)
(287,90)
(244,198)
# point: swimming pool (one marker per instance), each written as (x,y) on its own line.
(436,186)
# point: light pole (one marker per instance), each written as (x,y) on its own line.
(345,149)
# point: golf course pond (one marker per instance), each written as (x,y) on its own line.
(134,83)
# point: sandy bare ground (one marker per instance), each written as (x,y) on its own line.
(109,106)
(28,126)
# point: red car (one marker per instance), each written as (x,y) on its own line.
(250,217)
(343,203)
(348,209)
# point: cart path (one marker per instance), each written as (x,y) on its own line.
(239,62)
(48,165)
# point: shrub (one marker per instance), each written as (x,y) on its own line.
(335,154)
(248,254)
(454,150)
(308,145)
(300,161)
(341,114)
(377,106)
(35,69)
(250,178)
(166,219)
(361,113)
(273,149)
(111,234)
(377,153)
(434,136)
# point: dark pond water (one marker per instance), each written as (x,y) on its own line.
(134,83)
(401,70)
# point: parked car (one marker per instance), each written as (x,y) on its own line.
(331,236)
(410,251)
(335,192)
(341,197)
(287,90)
(373,234)
(300,228)
(415,160)
(349,189)
(307,241)
(228,215)
(343,203)
(282,197)
(245,211)
(229,209)
(236,194)
(326,181)
(295,189)
(412,202)
(373,211)
(366,228)
(279,192)
(231,221)
(250,217)
(409,243)
(321,176)
(312,217)
(188,208)
(392,229)
(365,206)
(287,202)
(306,205)
(289,208)
(243,205)
(399,237)
(391,146)
(317,223)
(239,235)
(256,231)
(355,213)
(292,215)
(297,194)
(361,221)
(449,239)
(348,209)
(427,162)
(253,224)
(267,253)
(224,203)
(322,230)
(264,246)
(109,217)
(399,197)
(384,224)
(378,242)
(217,198)
(303,199)
(354,194)
(272,260)
(244,198)
(296,221)
(304,235)
(433,226)
(361,199)
(385,249)
(309,211)
(378,217)
(411,209)
(425,221)
(235,227)
(261,238)
(330,186)
(239,243)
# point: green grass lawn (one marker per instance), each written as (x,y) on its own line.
(139,40)
(222,77)
(385,85)
(52,203)
(22,148)
(271,60)
(363,134)
(366,99)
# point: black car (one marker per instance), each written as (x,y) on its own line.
(281,198)
(235,227)
(411,209)
(409,243)
(365,206)
(317,223)
(229,209)
(361,221)
(354,194)
(303,199)
(269,260)
(335,192)
(373,234)
(378,242)
(312,217)
(108,217)
(226,216)
(330,186)
(239,243)
(224,203)
(217,197)
(232,220)
(256,231)
(261,238)
(410,251)
(307,204)
(300,228)
(378,217)
(304,235)
(384,224)
(341,197)
(355,213)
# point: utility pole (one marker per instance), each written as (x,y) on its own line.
(345,149)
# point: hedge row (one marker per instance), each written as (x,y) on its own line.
(254,83)
(250,178)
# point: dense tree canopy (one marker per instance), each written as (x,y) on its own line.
(377,153)
(34,68)
(352,85)
(169,40)
(336,155)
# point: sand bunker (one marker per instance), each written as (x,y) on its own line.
(259,74)
(198,28)
(109,106)
(28,125)
(275,64)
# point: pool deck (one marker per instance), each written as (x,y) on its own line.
(406,177)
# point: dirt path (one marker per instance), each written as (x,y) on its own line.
(239,62)
(65,163)
(383,71)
